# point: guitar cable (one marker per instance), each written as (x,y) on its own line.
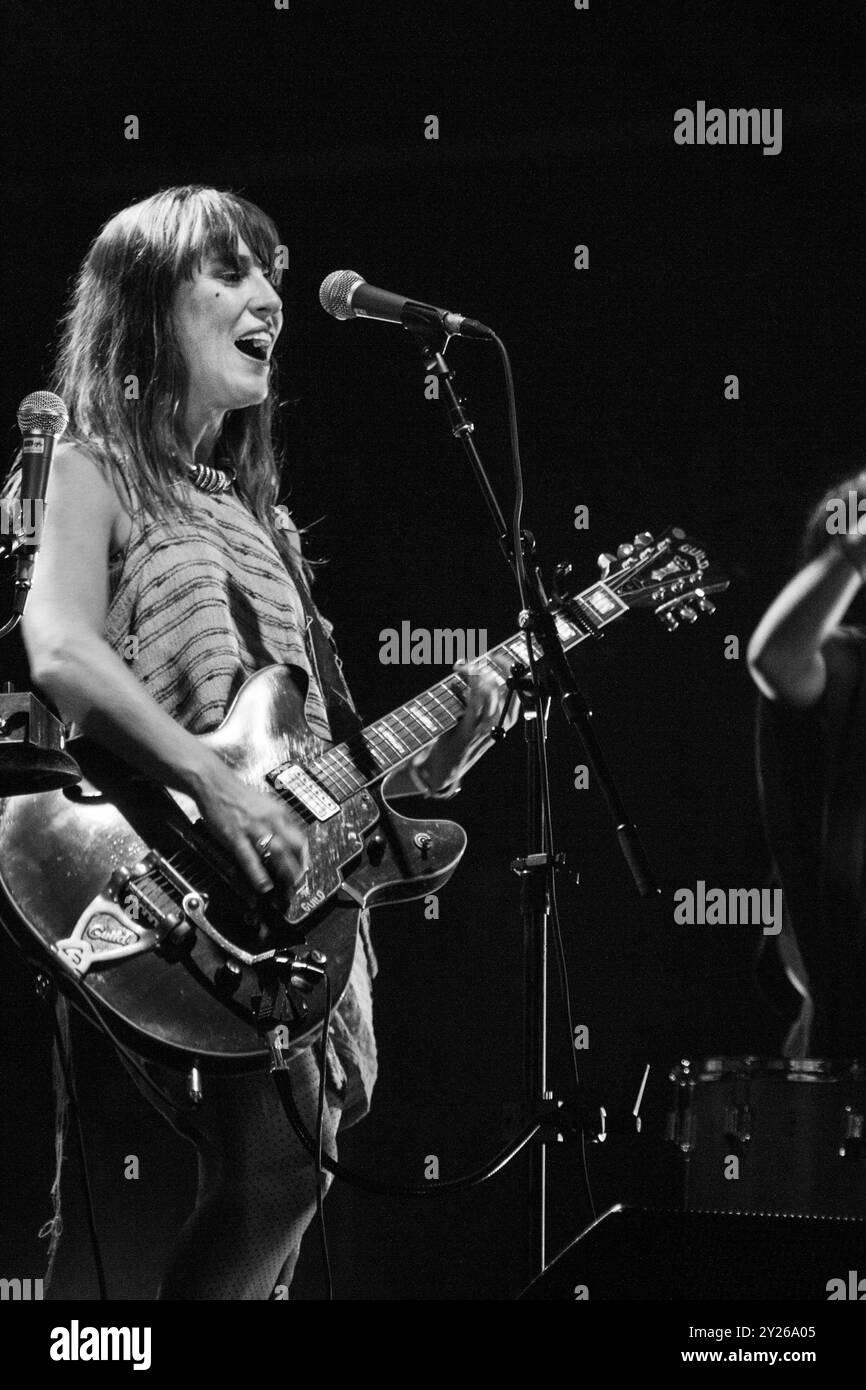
(66,1067)
(130,1060)
(389,1189)
(320,1121)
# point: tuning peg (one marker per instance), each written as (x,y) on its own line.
(643,538)
(623,551)
(706,605)
(605,560)
(687,614)
(669,621)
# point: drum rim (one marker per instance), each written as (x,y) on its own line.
(753,1067)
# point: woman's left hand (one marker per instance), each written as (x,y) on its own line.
(454,753)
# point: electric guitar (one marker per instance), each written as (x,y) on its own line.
(117,887)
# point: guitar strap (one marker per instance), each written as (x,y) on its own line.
(345,721)
(325,660)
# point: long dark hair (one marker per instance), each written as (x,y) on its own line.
(119,367)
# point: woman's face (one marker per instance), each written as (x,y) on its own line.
(220,305)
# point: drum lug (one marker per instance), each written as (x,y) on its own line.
(852,1138)
(680,1126)
(738,1124)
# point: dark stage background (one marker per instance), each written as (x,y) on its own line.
(556,129)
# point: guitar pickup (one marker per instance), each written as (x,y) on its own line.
(301,786)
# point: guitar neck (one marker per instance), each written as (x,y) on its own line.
(381,746)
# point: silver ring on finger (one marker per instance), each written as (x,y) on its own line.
(262,847)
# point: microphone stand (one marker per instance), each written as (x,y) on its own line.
(536,868)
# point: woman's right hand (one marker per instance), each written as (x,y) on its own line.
(242,817)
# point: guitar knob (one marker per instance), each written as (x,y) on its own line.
(228,977)
(669,621)
(193,1085)
(605,560)
(623,551)
(687,614)
(376,847)
(643,538)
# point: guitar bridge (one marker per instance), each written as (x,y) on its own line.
(109,929)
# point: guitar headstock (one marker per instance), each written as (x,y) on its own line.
(669,573)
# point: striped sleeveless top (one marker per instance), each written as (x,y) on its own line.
(197,605)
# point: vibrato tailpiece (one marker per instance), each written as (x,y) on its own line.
(147,907)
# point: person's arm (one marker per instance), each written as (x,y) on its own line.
(785,653)
(63,627)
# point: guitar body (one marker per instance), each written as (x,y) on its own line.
(144,920)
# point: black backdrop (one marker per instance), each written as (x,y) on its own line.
(556,129)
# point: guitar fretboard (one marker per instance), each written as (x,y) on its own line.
(381,746)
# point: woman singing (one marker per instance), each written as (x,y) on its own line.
(162,537)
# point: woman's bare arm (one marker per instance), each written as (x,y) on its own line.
(785,652)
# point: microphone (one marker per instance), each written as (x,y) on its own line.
(346,295)
(42,419)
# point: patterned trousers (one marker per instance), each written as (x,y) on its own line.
(256,1182)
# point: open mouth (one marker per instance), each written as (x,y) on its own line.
(256,346)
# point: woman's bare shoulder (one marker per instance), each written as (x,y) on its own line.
(83,468)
